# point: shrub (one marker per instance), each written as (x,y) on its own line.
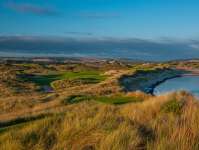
(173,106)
(76,99)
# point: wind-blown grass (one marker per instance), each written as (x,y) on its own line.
(88,117)
(117,99)
(93,125)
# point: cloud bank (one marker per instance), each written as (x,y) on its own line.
(30,8)
(142,49)
(79,33)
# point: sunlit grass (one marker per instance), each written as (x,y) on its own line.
(85,76)
(96,117)
(93,125)
(117,99)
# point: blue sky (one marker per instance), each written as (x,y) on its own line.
(137,29)
(100,18)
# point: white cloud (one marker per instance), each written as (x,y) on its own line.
(194,46)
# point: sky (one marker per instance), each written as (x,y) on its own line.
(174,22)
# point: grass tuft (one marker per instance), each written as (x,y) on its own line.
(173,106)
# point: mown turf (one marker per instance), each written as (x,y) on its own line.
(85,76)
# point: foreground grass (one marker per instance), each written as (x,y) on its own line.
(115,99)
(164,122)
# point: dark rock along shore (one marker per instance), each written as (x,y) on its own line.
(146,81)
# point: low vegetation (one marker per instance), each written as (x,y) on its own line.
(117,99)
(84,76)
(173,106)
(150,124)
(89,110)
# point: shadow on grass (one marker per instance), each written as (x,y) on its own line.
(116,100)
(173,106)
(76,99)
(20,121)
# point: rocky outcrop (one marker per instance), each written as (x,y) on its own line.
(147,80)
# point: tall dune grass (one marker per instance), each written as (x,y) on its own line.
(88,125)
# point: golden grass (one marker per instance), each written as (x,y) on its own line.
(93,125)
(40,121)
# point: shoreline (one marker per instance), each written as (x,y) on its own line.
(148,81)
(152,87)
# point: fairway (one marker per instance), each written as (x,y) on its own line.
(88,77)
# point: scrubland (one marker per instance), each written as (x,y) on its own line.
(91,115)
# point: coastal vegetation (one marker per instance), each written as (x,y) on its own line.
(84,77)
(88,108)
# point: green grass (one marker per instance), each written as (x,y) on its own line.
(76,99)
(173,106)
(43,79)
(85,76)
(117,99)
(143,68)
